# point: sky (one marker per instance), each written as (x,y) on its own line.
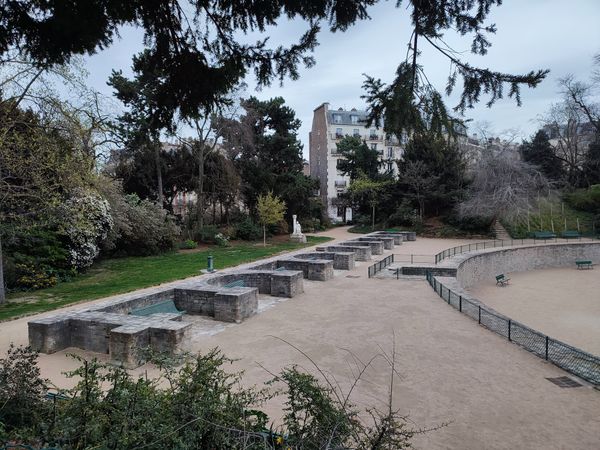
(559,35)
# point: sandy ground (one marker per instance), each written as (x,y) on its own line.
(493,394)
(562,303)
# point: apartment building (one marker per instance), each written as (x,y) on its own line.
(328,128)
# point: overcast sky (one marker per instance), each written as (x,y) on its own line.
(559,35)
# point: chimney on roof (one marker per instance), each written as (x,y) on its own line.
(340,109)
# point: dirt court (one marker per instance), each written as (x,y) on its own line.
(562,303)
(492,394)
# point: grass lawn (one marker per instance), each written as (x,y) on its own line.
(117,276)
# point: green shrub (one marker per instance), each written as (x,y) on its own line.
(206,234)
(188,244)
(34,256)
(248,230)
(475,225)
(585,199)
(221,240)
(203,406)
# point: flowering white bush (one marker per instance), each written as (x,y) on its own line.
(86,221)
(221,240)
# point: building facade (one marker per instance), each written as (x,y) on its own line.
(328,128)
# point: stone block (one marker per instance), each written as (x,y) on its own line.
(388,242)
(287,283)
(236,304)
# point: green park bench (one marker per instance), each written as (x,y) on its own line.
(501,280)
(583,264)
(570,234)
(167,306)
(543,235)
(234,284)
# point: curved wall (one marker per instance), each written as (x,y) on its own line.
(485,265)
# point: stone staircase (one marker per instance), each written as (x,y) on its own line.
(501,232)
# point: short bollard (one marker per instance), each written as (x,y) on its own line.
(209,265)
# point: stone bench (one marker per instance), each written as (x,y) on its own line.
(376,246)
(109,328)
(279,283)
(406,235)
(362,253)
(341,260)
(121,336)
(388,241)
(317,269)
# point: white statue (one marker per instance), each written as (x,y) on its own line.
(297,227)
(297,235)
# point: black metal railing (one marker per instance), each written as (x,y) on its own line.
(379,265)
(409,258)
(500,243)
(565,356)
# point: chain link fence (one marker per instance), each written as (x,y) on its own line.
(567,357)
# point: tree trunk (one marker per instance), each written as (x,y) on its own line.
(373,221)
(264,235)
(2,291)
(159,180)
(200,193)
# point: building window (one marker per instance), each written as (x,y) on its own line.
(354,119)
(339,133)
(390,152)
(340,211)
(337,118)
(356,132)
(390,168)
(337,163)
(374,147)
(373,133)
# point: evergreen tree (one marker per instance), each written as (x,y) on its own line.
(199,40)
(358,158)
(441,164)
(591,164)
(539,152)
(270,158)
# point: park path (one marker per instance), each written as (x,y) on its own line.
(492,394)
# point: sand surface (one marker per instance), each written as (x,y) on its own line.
(493,394)
(562,303)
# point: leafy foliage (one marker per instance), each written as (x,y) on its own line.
(270,211)
(357,158)
(539,152)
(199,404)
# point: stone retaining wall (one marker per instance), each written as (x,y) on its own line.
(474,267)
(376,246)
(362,253)
(341,260)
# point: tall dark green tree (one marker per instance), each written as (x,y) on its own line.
(539,152)
(269,155)
(591,163)
(358,159)
(199,40)
(442,167)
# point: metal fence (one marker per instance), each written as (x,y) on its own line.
(379,265)
(500,243)
(409,258)
(567,357)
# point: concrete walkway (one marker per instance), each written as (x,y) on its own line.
(493,394)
